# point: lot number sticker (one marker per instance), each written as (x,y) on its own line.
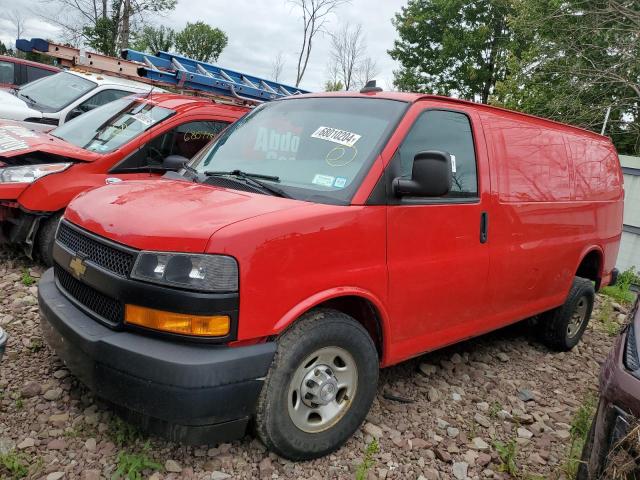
(342,137)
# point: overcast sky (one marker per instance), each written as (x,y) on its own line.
(257,31)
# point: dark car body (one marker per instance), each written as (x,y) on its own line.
(16,71)
(619,407)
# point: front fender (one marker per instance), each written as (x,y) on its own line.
(321,297)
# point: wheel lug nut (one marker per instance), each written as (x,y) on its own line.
(328,372)
(311,383)
(317,373)
(308,396)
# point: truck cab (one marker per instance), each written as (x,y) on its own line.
(58,98)
(135,137)
(320,238)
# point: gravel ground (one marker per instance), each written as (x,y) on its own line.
(435,417)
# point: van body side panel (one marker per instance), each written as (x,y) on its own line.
(541,231)
(289,257)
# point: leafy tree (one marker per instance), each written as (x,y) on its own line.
(155,39)
(333,86)
(4,50)
(201,41)
(104,25)
(581,58)
(452,47)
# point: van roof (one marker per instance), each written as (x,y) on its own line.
(414,97)
(102,79)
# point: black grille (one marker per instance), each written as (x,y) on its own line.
(106,256)
(105,307)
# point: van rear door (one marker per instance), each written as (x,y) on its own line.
(437,260)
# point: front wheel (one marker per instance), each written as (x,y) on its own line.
(46,237)
(562,327)
(320,386)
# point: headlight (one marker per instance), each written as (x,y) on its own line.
(209,273)
(30,173)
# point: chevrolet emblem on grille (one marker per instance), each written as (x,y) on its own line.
(78,266)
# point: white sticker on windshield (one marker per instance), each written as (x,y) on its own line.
(324,180)
(453,163)
(143,118)
(342,137)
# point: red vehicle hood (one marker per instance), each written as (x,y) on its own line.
(18,138)
(168,215)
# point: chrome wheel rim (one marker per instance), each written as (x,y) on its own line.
(578,317)
(322,389)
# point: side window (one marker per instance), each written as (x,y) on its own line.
(185,140)
(35,73)
(6,72)
(448,132)
(97,100)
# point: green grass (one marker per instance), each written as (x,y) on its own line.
(14,464)
(621,291)
(508,451)
(27,279)
(123,433)
(131,465)
(368,461)
(494,408)
(580,425)
(606,318)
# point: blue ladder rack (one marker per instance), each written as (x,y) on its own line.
(168,69)
(188,73)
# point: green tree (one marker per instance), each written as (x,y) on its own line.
(155,39)
(4,50)
(104,25)
(333,86)
(452,47)
(201,41)
(581,58)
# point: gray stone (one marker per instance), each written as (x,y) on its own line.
(373,430)
(172,466)
(460,470)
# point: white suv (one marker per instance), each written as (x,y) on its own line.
(58,98)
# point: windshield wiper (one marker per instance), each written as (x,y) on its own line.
(24,95)
(252,179)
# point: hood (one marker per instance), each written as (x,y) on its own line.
(14,108)
(17,139)
(168,215)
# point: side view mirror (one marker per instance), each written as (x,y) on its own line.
(75,112)
(174,162)
(430,177)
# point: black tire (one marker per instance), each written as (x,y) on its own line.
(555,324)
(312,332)
(45,238)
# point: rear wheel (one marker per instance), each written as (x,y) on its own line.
(46,237)
(563,327)
(320,386)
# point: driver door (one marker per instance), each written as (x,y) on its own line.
(438,262)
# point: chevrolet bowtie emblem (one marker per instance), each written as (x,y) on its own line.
(77,265)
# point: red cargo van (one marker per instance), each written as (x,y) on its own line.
(320,238)
(129,138)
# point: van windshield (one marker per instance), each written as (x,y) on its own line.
(110,126)
(319,148)
(53,93)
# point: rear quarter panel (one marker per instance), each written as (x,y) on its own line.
(558,195)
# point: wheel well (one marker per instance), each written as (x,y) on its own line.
(363,311)
(590,267)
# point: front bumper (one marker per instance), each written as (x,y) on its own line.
(191,393)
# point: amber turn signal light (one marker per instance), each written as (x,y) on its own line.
(185,324)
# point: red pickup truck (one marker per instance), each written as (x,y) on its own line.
(320,238)
(130,138)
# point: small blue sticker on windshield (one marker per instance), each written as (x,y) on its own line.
(340,182)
